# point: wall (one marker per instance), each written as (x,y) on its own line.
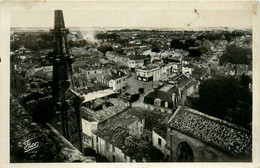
(137,127)
(88,127)
(201,150)
(106,149)
(162,109)
(161,147)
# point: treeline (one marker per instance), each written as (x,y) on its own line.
(77,43)
(33,42)
(188,45)
(101,36)
(222,35)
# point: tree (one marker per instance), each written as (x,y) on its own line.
(105,48)
(14,45)
(235,55)
(177,44)
(194,53)
(155,48)
(189,43)
(224,97)
(245,80)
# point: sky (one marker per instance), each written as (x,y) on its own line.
(136,15)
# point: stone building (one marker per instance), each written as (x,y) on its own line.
(136,61)
(115,79)
(90,118)
(194,136)
(127,136)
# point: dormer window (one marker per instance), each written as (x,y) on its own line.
(157,102)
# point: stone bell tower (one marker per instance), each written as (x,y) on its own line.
(67,102)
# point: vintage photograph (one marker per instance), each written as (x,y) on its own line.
(143,82)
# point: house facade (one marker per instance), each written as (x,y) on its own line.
(115,79)
(195,136)
(136,61)
(157,71)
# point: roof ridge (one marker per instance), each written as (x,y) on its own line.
(212,118)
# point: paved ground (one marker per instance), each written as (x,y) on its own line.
(133,85)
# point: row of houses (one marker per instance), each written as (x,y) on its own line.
(169,96)
(184,135)
(157,71)
(126,134)
(131,61)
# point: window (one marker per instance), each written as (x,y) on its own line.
(166,104)
(159,141)
(107,146)
(113,148)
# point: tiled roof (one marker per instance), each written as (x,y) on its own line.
(152,118)
(111,74)
(116,131)
(132,146)
(217,133)
(161,130)
(100,115)
(113,135)
(136,148)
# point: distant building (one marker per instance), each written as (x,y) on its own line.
(162,99)
(169,96)
(91,71)
(194,136)
(147,74)
(157,71)
(136,61)
(188,69)
(116,57)
(186,85)
(115,79)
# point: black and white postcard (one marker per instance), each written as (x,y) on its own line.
(141,83)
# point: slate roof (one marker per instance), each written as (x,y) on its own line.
(137,57)
(163,95)
(213,131)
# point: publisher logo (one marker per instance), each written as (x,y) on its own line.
(29,145)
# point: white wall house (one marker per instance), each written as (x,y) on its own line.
(159,142)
